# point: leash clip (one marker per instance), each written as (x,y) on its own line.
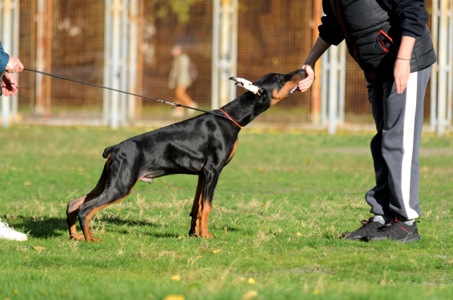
(174,104)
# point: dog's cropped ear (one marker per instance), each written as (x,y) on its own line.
(248,85)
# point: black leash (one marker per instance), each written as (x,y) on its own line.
(174,104)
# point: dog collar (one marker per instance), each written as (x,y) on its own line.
(231,119)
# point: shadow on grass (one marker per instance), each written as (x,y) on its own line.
(118,221)
(50,227)
(43,227)
(134,223)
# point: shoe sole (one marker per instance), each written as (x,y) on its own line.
(353,238)
(412,238)
(18,239)
(356,237)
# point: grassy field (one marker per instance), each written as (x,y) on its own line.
(279,208)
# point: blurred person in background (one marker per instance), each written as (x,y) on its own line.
(390,41)
(180,79)
(8,66)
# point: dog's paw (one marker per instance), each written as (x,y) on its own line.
(77,237)
(93,239)
(207,235)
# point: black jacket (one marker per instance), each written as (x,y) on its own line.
(373,31)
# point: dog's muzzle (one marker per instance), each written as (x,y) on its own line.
(303,74)
(296,88)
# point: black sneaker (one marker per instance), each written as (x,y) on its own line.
(368,228)
(397,230)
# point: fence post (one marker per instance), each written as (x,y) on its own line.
(333,88)
(316,86)
(333,92)
(132,59)
(115,65)
(442,73)
(120,61)
(224,51)
(9,36)
(44,56)
(433,91)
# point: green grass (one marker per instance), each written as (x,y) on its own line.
(279,208)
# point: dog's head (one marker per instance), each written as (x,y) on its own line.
(273,86)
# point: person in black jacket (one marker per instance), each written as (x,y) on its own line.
(390,41)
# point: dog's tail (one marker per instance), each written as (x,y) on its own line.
(108,151)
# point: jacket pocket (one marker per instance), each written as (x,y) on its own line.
(386,42)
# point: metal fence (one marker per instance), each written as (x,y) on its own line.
(73,39)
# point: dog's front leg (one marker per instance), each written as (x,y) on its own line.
(204,232)
(197,206)
(208,194)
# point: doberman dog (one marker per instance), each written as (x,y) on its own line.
(202,145)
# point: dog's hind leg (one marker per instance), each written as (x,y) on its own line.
(89,208)
(85,220)
(197,206)
(119,184)
(71,216)
(73,206)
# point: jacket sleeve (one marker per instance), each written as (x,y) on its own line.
(4,58)
(329,30)
(412,15)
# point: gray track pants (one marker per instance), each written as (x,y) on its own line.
(395,147)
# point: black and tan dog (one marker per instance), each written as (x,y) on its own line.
(201,146)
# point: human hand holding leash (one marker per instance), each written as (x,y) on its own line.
(9,82)
(14,65)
